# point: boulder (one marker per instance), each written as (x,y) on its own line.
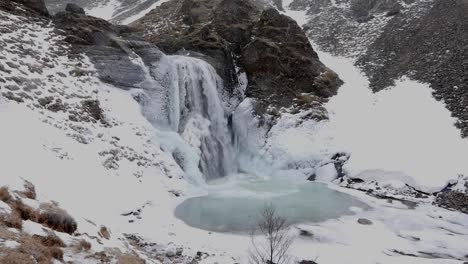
(74,8)
(364,221)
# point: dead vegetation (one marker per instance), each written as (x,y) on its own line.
(104,233)
(30,249)
(83,246)
(49,214)
(129,259)
(52,240)
(277,241)
(45,248)
(56,218)
(13,220)
(29,191)
(5,195)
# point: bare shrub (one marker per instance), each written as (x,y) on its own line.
(37,251)
(26,212)
(14,220)
(275,230)
(83,245)
(104,232)
(29,191)
(57,219)
(5,195)
(52,240)
(56,253)
(15,257)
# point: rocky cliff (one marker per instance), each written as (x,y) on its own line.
(423,39)
(241,37)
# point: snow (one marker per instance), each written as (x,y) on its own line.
(4,208)
(402,131)
(104,10)
(32,228)
(39,145)
(300,16)
(326,173)
(10,244)
(134,18)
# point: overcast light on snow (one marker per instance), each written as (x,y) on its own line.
(400,135)
(104,11)
(402,130)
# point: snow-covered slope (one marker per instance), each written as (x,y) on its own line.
(117,11)
(83,143)
(89,146)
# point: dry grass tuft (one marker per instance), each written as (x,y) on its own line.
(104,232)
(130,259)
(51,240)
(56,253)
(57,219)
(39,252)
(5,195)
(83,245)
(14,257)
(26,212)
(14,220)
(29,191)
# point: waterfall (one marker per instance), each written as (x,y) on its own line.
(185,99)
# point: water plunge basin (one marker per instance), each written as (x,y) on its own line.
(237,211)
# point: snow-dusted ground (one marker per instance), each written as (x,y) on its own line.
(142,13)
(402,131)
(105,10)
(103,171)
(121,12)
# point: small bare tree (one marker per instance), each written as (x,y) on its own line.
(275,231)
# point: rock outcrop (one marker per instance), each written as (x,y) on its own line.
(36,5)
(432,49)
(110,47)
(422,39)
(239,36)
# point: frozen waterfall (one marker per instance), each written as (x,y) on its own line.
(185,98)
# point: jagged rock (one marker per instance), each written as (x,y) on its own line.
(312,177)
(305,233)
(453,200)
(427,48)
(93,109)
(270,47)
(364,221)
(307,262)
(74,8)
(281,64)
(395,38)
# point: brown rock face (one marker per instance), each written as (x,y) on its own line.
(269,47)
(281,63)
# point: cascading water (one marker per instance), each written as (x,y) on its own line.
(185,100)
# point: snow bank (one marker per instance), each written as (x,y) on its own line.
(104,10)
(401,134)
(400,129)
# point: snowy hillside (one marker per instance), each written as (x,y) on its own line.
(117,11)
(112,151)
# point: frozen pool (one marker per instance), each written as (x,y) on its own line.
(236,208)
